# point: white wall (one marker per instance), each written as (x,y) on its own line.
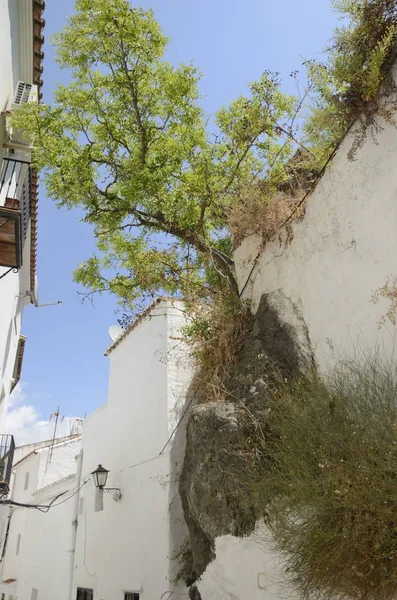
(9,285)
(12,49)
(60,463)
(244,569)
(125,547)
(341,253)
(43,561)
(22,451)
(9,60)
(329,265)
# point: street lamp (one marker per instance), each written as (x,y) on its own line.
(100,476)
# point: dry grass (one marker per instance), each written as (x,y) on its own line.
(389,292)
(217,334)
(333,482)
(254,213)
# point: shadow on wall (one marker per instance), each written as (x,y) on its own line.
(179,533)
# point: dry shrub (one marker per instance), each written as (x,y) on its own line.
(388,291)
(254,213)
(217,333)
(333,481)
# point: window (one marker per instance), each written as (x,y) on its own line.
(35,594)
(26,485)
(131,596)
(84,594)
(18,543)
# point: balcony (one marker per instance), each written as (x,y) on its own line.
(7,447)
(14,210)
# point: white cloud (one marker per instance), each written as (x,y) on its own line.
(23,421)
(18,396)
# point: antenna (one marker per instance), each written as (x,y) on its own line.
(49,457)
(48,304)
(115,332)
(34,296)
(75,426)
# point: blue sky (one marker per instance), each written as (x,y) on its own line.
(232,42)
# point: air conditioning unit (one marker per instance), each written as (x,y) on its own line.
(24,92)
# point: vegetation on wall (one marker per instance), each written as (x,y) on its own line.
(358,63)
(341,89)
(317,461)
(389,292)
(333,483)
(127,142)
(217,333)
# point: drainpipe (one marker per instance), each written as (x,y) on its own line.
(75,523)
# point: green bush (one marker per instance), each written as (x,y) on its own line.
(333,482)
(357,65)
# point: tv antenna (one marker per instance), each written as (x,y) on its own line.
(54,415)
(34,296)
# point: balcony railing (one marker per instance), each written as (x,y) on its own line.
(7,447)
(14,210)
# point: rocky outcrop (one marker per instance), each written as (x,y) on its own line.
(221,472)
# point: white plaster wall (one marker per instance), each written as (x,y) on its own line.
(60,464)
(11,566)
(341,253)
(44,558)
(9,285)
(22,451)
(244,569)
(9,59)
(179,376)
(329,265)
(125,547)
(179,365)
(45,562)
(14,283)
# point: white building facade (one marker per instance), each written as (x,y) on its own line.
(123,546)
(21,41)
(111,544)
(36,546)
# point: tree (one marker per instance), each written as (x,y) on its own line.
(127,142)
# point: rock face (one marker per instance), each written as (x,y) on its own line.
(219,478)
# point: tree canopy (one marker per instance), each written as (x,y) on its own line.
(128,142)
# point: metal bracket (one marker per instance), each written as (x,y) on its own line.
(9,271)
(110,490)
